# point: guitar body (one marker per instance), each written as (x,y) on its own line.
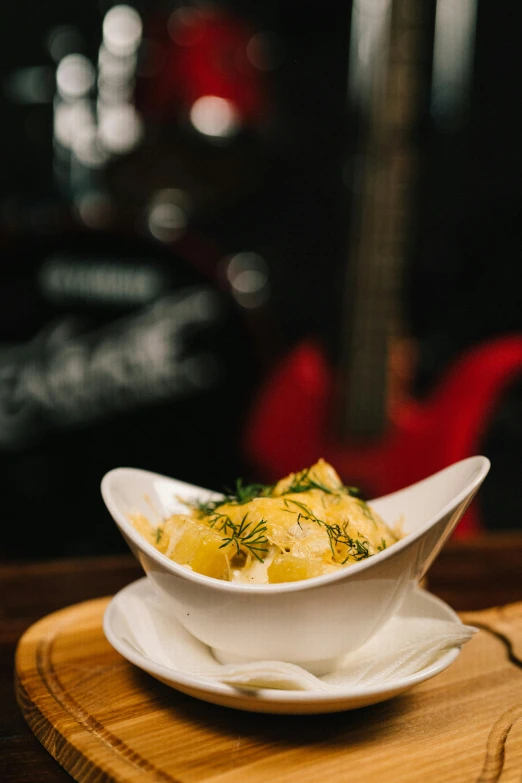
(293,418)
(290,426)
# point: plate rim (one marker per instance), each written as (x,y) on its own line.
(278,699)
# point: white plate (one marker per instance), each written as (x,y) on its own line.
(420,604)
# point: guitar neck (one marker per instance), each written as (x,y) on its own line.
(386,87)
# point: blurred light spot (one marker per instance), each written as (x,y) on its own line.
(111,92)
(87,149)
(75,76)
(63,40)
(116,77)
(265,51)
(95,209)
(453,52)
(185,26)
(113,67)
(369,41)
(167,215)
(214,116)
(69,119)
(248,276)
(120,128)
(122,30)
(30,85)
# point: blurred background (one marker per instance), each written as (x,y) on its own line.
(238,236)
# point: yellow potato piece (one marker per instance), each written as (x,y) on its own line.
(196,545)
(289,568)
(322,473)
(189,542)
(210,559)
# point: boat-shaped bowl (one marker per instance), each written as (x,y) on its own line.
(312,622)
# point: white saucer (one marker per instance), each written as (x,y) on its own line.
(192,657)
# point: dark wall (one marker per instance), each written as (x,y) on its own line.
(277,191)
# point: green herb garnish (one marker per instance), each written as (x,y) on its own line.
(243,536)
(338,536)
(246,492)
(304,482)
(242,494)
(253,539)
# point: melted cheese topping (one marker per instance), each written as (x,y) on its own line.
(306,525)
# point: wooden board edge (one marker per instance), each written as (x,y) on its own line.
(83,769)
(87,757)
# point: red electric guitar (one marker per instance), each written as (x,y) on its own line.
(377,437)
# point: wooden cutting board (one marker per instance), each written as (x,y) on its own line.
(105,720)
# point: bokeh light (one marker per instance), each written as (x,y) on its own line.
(214,116)
(122,30)
(75,76)
(247,273)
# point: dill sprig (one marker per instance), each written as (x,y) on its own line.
(244,536)
(207,507)
(242,494)
(247,537)
(305,513)
(358,548)
(304,482)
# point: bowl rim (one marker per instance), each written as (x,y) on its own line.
(126,527)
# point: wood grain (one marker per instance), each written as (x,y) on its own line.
(104,720)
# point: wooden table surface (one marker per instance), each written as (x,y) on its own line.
(468,575)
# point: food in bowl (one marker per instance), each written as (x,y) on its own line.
(307,524)
(310,622)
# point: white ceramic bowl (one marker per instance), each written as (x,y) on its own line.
(311,622)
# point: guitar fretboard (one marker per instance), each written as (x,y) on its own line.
(388,108)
